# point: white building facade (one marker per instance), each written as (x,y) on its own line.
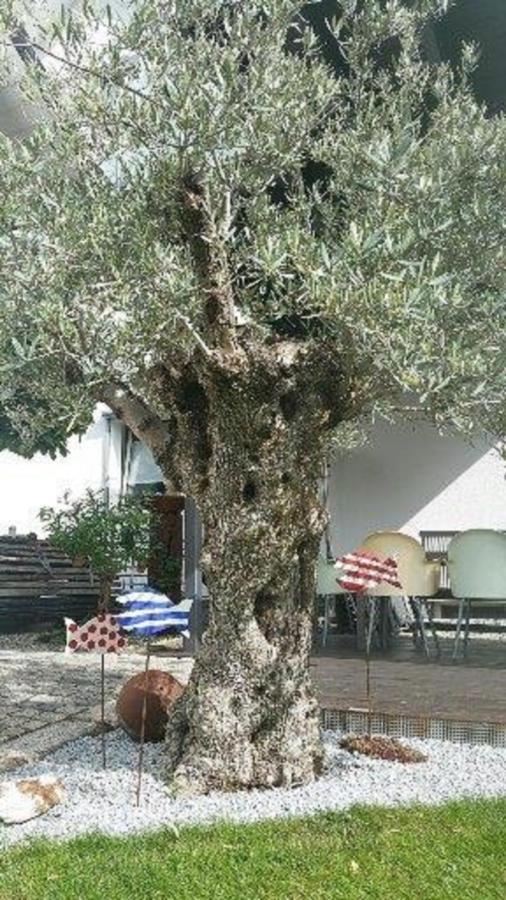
(413,479)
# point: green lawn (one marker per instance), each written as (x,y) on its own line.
(449,853)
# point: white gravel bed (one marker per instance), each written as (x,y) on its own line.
(105,801)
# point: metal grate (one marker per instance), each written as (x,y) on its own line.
(351,720)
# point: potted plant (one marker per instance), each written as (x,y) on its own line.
(106,537)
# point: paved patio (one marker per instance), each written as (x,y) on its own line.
(404,682)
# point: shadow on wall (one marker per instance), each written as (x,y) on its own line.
(414,479)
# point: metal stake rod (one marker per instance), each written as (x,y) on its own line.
(143,723)
(371,609)
(102,707)
(102,609)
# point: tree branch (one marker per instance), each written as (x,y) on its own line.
(28,45)
(135,413)
(196,336)
(212,269)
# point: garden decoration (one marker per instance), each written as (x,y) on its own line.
(109,537)
(362,569)
(148,613)
(162,692)
(98,635)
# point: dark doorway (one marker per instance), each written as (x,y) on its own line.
(166,561)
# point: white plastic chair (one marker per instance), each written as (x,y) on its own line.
(477,572)
(419,578)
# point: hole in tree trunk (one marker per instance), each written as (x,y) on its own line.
(288,403)
(191,399)
(264,612)
(249,491)
(191,396)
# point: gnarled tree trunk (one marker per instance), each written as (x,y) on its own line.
(249,717)
(242,425)
(251,451)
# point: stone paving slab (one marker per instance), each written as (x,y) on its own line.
(404,683)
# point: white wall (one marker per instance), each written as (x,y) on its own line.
(28,484)
(412,479)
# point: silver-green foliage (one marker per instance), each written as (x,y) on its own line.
(395,257)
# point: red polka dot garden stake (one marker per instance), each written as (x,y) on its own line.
(99,635)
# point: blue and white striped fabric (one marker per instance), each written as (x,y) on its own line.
(149,612)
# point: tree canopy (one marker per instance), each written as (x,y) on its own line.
(201,180)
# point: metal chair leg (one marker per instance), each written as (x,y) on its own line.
(361,611)
(458,629)
(392,623)
(414,625)
(468,626)
(325,632)
(371,609)
(421,624)
(435,636)
(385,623)
(418,635)
(351,610)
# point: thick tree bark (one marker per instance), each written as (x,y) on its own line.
(249,717)
(251,451)
(243,426)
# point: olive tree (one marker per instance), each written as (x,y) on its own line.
(246,251)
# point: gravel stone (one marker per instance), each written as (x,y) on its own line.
(105,801)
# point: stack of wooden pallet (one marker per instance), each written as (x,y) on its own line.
(39,585)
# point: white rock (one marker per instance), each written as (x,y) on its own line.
(30,797)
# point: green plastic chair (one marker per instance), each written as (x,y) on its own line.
(477,572)
(328,588)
